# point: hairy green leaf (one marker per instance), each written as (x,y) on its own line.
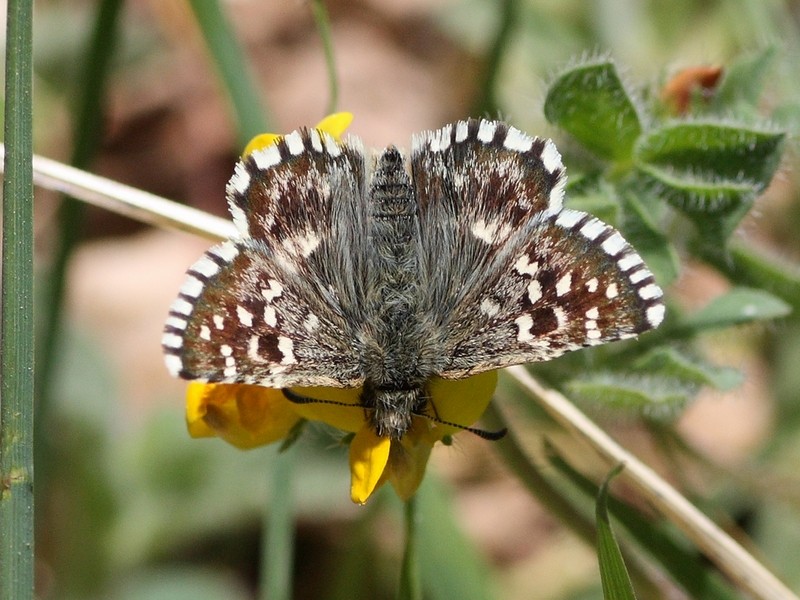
(590,102)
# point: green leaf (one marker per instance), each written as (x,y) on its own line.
(751,267)
(613,573)
(658,397)
(740,305)
(643,234)
(590,102)
(670,362)
(714,151)
(715,206)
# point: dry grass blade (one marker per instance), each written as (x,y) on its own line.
(733,560)
(126,200)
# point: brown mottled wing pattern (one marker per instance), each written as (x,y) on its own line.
(272,307)
(509,276)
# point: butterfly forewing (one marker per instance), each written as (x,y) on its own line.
(273,306)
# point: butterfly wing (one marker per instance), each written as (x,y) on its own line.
(275,307)
(509,275)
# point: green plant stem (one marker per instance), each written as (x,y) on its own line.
(277,547)
(323,26)
(16,322)
(87,132)
(232,68)
(487,103)
(410,588)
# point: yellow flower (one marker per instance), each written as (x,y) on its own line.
(247,416)
(251,415)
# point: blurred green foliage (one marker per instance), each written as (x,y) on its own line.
(143,511)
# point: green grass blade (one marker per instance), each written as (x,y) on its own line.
(613,573)
(410,588)
(323,26)
(278,540)
(16,322)
(232,68)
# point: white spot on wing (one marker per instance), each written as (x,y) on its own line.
(639,275)
(489,307)
(568,218)
(649,292)
(524,324)
(593,334)
(192,286)
(655,314)
(486,131)
(440,140)
(592,313)
(534,291)
(245,316)
(267,157)
(270,316)
(612,291)
(206,267)
(316,142)
(275,290)
(205,332)
(523,266)
(176,322)
(492,232)
(614,244)
(462,131)
(550,156)
(230,371)
(564,284)
(593,228)
(556,197)
(227,251)
(516,140)
(174,364)
(240,180)
(294,141)
(626,263)
(311,323)
(170,340)
(219,322)
(225,350)
(182,306)
(591,285)
(331,146)
(286,346)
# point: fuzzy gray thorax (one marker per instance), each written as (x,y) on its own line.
(393,357)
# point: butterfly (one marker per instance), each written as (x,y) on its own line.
(355,269)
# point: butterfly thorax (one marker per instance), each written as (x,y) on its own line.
(393,337)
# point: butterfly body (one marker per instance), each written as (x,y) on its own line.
(381,272)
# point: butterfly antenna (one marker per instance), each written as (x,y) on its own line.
(298,399)
(492,436)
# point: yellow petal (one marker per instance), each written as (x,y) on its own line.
(341,407)
(369,454)
(196,397)
(407,462)
(336,124)
(262,140)
(245,416)
(461,401)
